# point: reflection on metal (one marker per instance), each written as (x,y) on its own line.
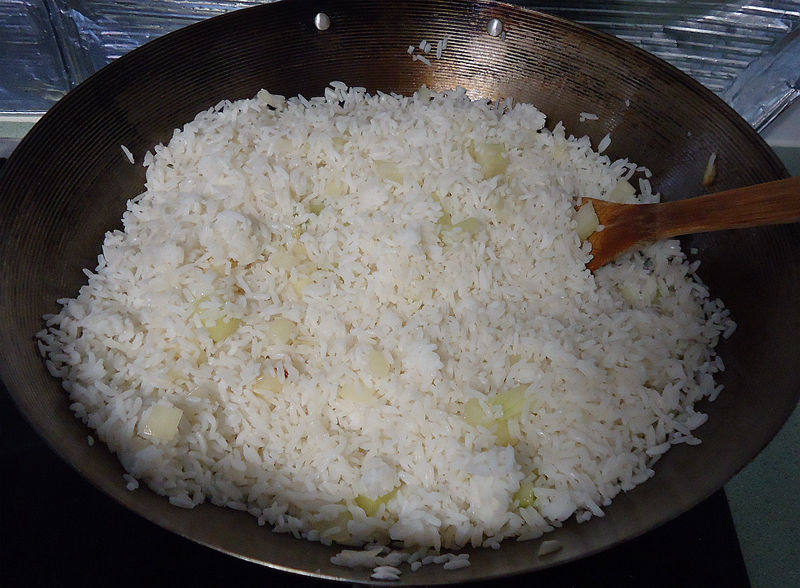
(322,21)
(494,27)
(742,51)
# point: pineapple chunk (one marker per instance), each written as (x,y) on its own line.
(335,188)
(268,383)
(504,435)
(388,170)
(299,251)
(213,319)
(623,192)
(280,330)
(475,415)
(356,392)
(469,226)
(491,158)
(587,221)
(512,401)
(222,329)
(370,506)
(175,375)
(161,424)
(526,495)
(283,259)
(301,283)
(377,364)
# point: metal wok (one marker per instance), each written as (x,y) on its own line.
(67,183)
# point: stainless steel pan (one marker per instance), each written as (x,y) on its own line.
(67,184)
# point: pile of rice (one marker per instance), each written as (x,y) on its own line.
(367,320)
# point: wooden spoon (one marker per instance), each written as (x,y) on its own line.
(629,226)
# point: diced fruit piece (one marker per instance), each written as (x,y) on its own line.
(502,209)
(370,506)
(299,251)
(491,157)
(474,413)
(268,383)
(622,192)
(222,329)
(301,283)
(335,188)
(587,221)
(202,391)
(469,226)
(446,220)
(512,401)
(283,259)
(356,392)
(280,330)
(389,171)
(526,495)
(378,366)
(503,435)
(161,424)
(213,319)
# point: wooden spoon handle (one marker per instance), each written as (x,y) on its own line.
(763,204)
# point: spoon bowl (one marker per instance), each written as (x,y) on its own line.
(628,226)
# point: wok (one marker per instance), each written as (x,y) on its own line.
(68,181)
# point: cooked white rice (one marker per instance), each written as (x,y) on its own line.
(368,318)
(426,47)
(127,153)
(604,143)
